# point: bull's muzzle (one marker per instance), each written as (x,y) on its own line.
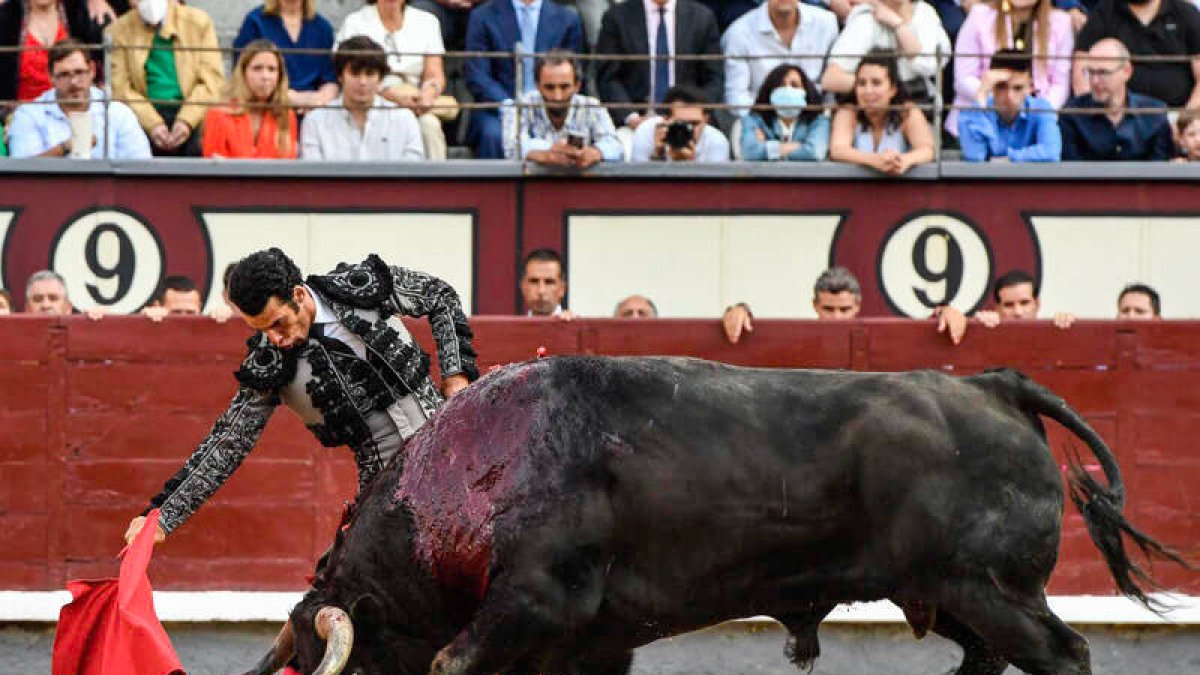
(281,652)
(334,626)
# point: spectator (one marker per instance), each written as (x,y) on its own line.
(1031,27)
(538,26)
(1009,123)
(42,128)
(636,307)
(1148,28)
(683,135)
(880,130)
(1187,129)
(46,293)
(35,25)
(782,30)
(413,41)
(295,24)
(728,12)
(908,27)
(1016,297)
(663,28)
(6,302)
(167,65)
(178,296)
(1138,302)
(591,15)
(785,126)
(837,296)
(224,310)
(543,284)
(364,126)
(258,123)
(1111,133)
(557,125)
(453,17)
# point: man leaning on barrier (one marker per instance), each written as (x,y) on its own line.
(556,125)
(1009,123)
(166,64)
(43,127)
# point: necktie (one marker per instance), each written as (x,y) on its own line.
(528,38)
(662,66)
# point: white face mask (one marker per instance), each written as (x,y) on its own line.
(153,12)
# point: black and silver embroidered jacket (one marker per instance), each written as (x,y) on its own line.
(338,395)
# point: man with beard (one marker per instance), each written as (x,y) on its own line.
(1124,126)
(1162,28)
(42,127)
(333,349)
(556,125)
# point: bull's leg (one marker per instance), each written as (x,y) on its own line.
(978,657)
(803,647)
(1019,627)
(547,585)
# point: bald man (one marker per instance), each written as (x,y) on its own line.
(1116,131)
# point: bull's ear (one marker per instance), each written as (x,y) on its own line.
(367,609)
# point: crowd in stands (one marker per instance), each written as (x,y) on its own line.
(672,80)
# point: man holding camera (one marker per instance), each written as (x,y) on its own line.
(684,135)
(556,125)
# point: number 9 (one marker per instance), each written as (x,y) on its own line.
(110,258)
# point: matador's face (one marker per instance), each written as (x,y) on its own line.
(285,323)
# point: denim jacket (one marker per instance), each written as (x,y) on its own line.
(813,137)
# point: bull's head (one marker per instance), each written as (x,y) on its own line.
(372,608)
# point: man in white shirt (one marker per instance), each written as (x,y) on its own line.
(367,127)
(684,135)
(781,30)
(42,127)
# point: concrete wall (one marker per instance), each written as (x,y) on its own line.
(228,14)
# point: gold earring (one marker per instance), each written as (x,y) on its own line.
(1005,6)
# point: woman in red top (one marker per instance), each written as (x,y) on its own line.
(258,123)
(36,25)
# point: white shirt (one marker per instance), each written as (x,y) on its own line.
(712,146)
(333,328)
(863,33)
(391,134)
(753,34)
(420,34)
(652,20)
(41,124)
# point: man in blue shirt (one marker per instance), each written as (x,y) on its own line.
(1112,133)
(42,127)
(1010,124)
(499,26)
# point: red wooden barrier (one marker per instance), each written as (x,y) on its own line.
(94,416)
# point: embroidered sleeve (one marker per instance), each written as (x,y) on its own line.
(233,436)
(420,294)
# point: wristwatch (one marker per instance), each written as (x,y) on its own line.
(65,146)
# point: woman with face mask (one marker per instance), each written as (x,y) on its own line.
(880,129)
(788,122)
(258,123)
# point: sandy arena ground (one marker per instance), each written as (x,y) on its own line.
(725,650)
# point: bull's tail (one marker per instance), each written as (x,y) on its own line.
(1101,505)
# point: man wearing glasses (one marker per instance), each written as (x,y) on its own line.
(1126,126)
(43,127)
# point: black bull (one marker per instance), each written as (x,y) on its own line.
(561,512)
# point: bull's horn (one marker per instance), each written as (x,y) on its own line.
(334,626)
(281,652)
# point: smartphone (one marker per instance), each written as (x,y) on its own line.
(576,140)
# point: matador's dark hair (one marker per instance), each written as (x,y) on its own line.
(261,276)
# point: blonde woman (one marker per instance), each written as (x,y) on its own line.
(412,39)
(295,24)
(1031,27)
(258,122)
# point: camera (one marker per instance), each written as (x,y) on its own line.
(679,134)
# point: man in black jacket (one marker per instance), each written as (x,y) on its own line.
(334,350)
(637,27)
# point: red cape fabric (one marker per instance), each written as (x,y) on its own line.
(110,627)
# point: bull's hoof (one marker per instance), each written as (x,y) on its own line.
(802,653)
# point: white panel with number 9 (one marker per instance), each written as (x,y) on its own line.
(110,259)
(934,259)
